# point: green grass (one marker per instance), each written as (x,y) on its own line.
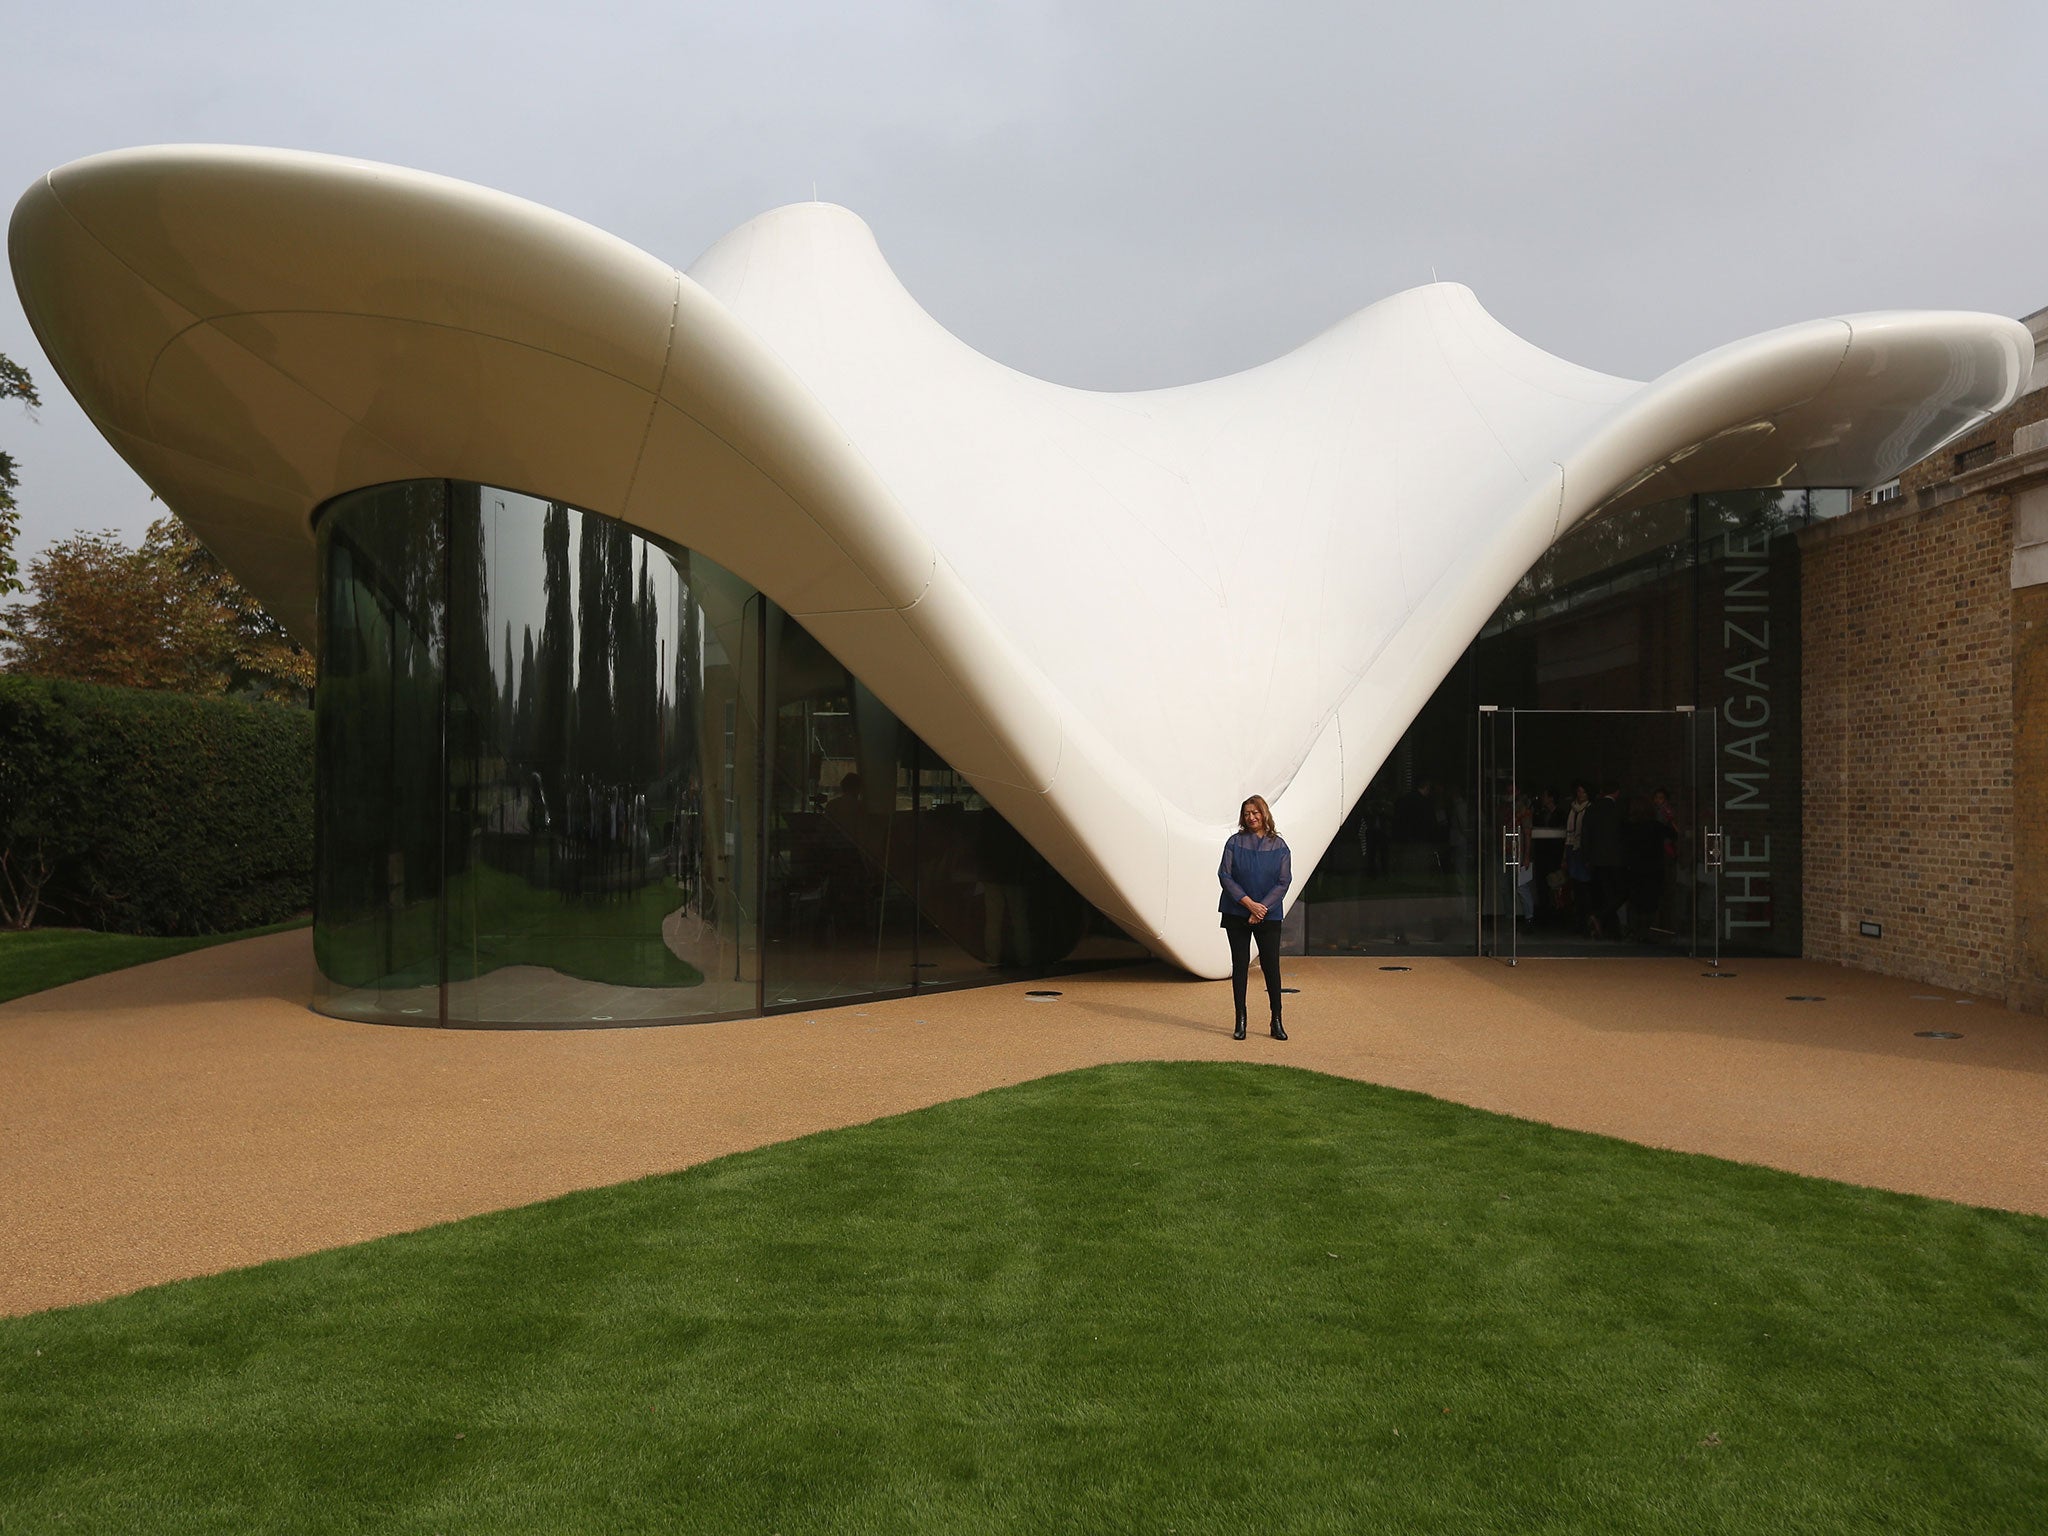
(1203,1298)
(38,958)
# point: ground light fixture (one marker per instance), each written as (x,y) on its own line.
(1936,1034)
(1397,967)
(1803,997)
(1042,995)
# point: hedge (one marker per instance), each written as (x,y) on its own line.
(155,812)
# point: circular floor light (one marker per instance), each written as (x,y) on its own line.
(1397,967)
(1294,990)
(1718,975)
(1936,1034)
(1803,997)
(1041,996)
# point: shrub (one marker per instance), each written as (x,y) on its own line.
(149,812)
(41,828)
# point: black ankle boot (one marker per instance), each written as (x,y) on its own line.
(1278,1032)
(1240,1028)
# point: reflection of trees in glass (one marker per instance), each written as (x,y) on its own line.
(597,590)
(1598,557)
(508,695)
(471,740)
(553,708)
(378,734)
(1748,514)
(520,737)
(697,784)
(636,717)
(469,635)
(1617,551)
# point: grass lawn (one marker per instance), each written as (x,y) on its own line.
(1154,1297)
(37,958)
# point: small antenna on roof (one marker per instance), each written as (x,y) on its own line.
(814,191)
(1432,274)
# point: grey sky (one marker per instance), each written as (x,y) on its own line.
(1119,195)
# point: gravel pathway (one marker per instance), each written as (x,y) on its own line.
(192,1115)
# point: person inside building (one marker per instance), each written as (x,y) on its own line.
(1670,897)
(1577,867)
(1643,835)
(1607,852)
(1546,852)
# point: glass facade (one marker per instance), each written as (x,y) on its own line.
(1655,651)
(569,774)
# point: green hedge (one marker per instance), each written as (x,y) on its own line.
(156,812)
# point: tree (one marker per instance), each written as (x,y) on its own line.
(163,616)
(15,384)
(261,658)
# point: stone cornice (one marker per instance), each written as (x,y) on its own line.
(2015,472)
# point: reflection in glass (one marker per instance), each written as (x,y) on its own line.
(1687,602)
(600,749)
(986,898)
(886,870)
(536,767)
(841,921)
(542,797)
(377,756)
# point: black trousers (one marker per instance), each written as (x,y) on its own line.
(1611,884)
(1242,930)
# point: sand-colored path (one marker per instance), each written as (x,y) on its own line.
(192,1115)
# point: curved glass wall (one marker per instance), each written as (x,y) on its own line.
(570,774)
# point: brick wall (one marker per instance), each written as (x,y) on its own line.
(1908,640)
(1926,730)
(2028,987)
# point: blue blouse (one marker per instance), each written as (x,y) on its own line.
(1258,867)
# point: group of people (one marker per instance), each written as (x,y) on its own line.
(1602,863)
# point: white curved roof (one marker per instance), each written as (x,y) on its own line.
(1118,614)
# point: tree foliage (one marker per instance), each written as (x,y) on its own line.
(41,819)
(165,616)
(152,812)
(15,384)
(262,658)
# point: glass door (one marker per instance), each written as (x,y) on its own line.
(1708,848)
(1503,843)
(1600,831)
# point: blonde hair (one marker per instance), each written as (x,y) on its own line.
(1265,816)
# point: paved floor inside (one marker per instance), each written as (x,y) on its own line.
(192,1115)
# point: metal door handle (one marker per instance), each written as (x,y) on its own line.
(1510,850)
(1713,849)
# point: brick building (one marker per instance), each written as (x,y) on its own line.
(1924,617)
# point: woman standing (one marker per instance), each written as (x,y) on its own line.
(1575,862)
(1255,873)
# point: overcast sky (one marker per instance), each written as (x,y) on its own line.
(1117,195)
